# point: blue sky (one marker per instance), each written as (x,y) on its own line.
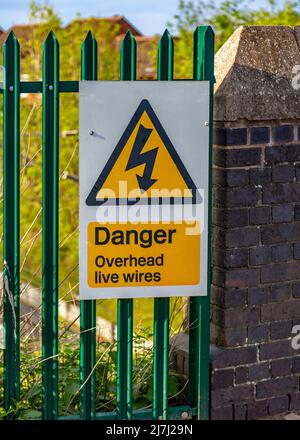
(149,16)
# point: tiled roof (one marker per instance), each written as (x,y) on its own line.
(122,22)
(146,60)
(20,30)
(25,31)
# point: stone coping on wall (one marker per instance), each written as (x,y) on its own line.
(254,73)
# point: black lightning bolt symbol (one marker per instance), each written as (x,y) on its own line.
(138,158)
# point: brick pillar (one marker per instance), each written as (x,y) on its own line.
(256,227)
(255,295)
(256,223)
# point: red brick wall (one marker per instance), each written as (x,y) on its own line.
(256,270)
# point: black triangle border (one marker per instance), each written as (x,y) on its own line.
(144,106)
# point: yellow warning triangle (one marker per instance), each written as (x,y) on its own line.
(144,166)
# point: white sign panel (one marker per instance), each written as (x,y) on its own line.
(144,173)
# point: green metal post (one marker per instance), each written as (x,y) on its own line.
(89,71)
(50,226)
(165,67)
(200,306)
(11,219)
(125,306)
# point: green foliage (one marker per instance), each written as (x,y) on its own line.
(30,403)
(225,17)
(43,14)
(70,38)
(235,13)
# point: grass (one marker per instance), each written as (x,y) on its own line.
(30,403)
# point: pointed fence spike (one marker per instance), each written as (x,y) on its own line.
(165,61)
(88,38)
(128,36)
(128,39)
(10,36)
(203,52)
(128,57)
(51,40)
(11,39)
(166,35)
(89,57)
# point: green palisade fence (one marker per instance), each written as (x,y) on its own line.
(51,87)
(11,219)
(165,65)
(125,306)
(89,71)
(50,227)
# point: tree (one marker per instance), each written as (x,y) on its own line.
(225,17)
(43,19)
(43,14)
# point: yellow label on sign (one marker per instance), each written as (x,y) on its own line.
(146,254)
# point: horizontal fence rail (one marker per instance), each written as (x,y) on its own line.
(51,87)
(37,87)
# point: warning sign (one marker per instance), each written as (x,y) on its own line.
(144,165)
(144,176)
(142,255)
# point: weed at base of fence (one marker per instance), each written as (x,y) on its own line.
(30,404)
